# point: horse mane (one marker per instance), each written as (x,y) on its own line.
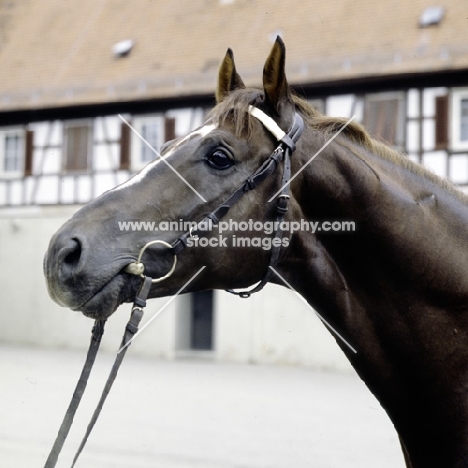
(235,109)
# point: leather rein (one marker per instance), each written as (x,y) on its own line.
(286,146)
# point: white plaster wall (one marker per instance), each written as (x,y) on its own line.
(274,327)
(458,168)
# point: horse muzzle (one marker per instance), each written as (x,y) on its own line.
(87,278)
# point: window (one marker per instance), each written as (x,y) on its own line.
(431,16)
(123,48)
(151,131)
(124,154)
(12,152)
(441,122)
(77,146)
(459,124)
(12,155)
(464,119)
(155,130)
(384,118)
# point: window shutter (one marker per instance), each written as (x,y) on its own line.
(28,152)
(441,122)
(77,147)
(381,119)
(125,137)
(169,129)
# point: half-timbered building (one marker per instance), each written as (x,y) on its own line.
(73,73)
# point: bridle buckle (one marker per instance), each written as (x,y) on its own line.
(282,203)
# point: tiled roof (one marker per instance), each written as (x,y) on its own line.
(59,52)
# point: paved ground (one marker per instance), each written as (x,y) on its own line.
(191,414)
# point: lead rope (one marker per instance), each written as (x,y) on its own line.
(98,330)
(96,335)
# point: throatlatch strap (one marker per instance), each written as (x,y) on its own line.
(130,330)
(97,332)
(287,146)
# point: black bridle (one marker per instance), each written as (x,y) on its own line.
(286,146)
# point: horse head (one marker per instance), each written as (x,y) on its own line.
(86,265)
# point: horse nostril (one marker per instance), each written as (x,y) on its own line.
(73,253)
(69,258)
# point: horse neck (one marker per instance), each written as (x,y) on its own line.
(405,218)
(396,288)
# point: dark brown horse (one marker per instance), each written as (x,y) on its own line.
(396,289)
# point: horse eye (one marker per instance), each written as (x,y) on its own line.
(219,160)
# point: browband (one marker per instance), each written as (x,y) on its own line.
(289,138)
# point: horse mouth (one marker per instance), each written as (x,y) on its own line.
(105,301)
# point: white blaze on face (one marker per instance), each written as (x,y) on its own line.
(203,131)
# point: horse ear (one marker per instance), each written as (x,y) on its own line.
(228,78)
(275,84)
